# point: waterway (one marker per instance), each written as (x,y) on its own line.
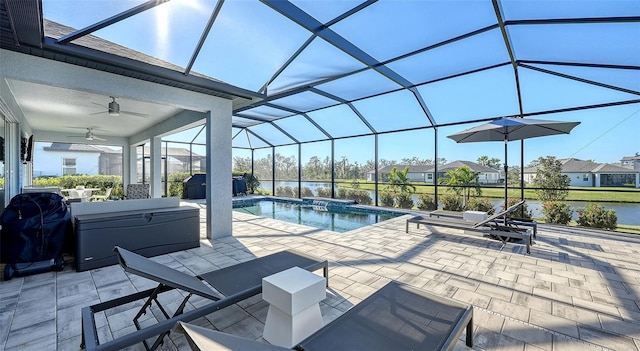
(627,213)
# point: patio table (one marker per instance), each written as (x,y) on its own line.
(83,193)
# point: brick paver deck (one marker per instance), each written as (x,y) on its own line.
(578,289)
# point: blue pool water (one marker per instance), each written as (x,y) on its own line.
(337,219)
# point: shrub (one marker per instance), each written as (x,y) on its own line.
(286,191)
(596,216)
(342,193)
(360,196)
(252,182)
(452,202)
(175,183)
(306,192)
(557,212)
(386,199)
(427,203)
(93,181)
(404,200)
(480,204)
(322,192)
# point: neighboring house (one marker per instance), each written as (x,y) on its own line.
(632,162)
(179,160)
(593,174)
(58,159)
(487,175)
(426,173)
(415,173)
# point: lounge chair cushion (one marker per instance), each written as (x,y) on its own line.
(396,317)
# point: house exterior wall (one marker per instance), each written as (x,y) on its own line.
(580,179)
(49,163)
(416,177)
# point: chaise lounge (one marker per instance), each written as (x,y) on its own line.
(396,317)
(232,284)
(498,225)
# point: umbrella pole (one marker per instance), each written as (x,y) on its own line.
(506,171)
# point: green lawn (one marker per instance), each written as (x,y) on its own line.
(587,194)
(603,194)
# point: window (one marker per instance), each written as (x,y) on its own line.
(429,176)
(69,166)
(585,177)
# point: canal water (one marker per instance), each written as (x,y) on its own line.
(627,213)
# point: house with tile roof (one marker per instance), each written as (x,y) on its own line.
(592,174)
(425,173)
(632,162)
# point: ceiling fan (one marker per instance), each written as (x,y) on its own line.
(88,136)
(113,109)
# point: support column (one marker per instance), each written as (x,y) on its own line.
(12,174)
(637,180)
(131,177)
(219,168)
(155,148)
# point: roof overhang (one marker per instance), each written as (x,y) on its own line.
(22,31)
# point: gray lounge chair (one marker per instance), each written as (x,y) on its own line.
(498,225)
(396,317)
(502,218)
(232,284)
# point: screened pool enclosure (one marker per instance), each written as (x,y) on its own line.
(328,93)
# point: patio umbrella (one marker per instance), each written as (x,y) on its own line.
(512,128)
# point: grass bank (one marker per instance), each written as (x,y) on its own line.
(603,194)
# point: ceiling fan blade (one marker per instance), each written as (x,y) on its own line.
(99,138)
(101,105)
(98,113)
(135,114)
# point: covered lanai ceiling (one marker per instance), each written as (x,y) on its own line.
(335,69)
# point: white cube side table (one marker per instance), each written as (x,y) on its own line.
(294,313)
(474,216)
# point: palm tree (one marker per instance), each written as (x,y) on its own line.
(463,181)
(399,182)
(399,188)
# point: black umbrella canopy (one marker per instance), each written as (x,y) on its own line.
(512,128)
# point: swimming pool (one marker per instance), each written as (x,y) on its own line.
(335,217)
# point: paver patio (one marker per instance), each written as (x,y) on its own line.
(578,289)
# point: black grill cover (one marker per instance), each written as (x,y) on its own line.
(34,227)
(195,187)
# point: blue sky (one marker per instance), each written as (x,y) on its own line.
(256,41)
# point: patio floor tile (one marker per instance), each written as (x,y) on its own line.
(576,291)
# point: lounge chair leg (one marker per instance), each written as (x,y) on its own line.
(470,333)
(325,271)
(147,304)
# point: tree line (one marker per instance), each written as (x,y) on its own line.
(318,168)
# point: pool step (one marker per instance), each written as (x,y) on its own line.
(319,203)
